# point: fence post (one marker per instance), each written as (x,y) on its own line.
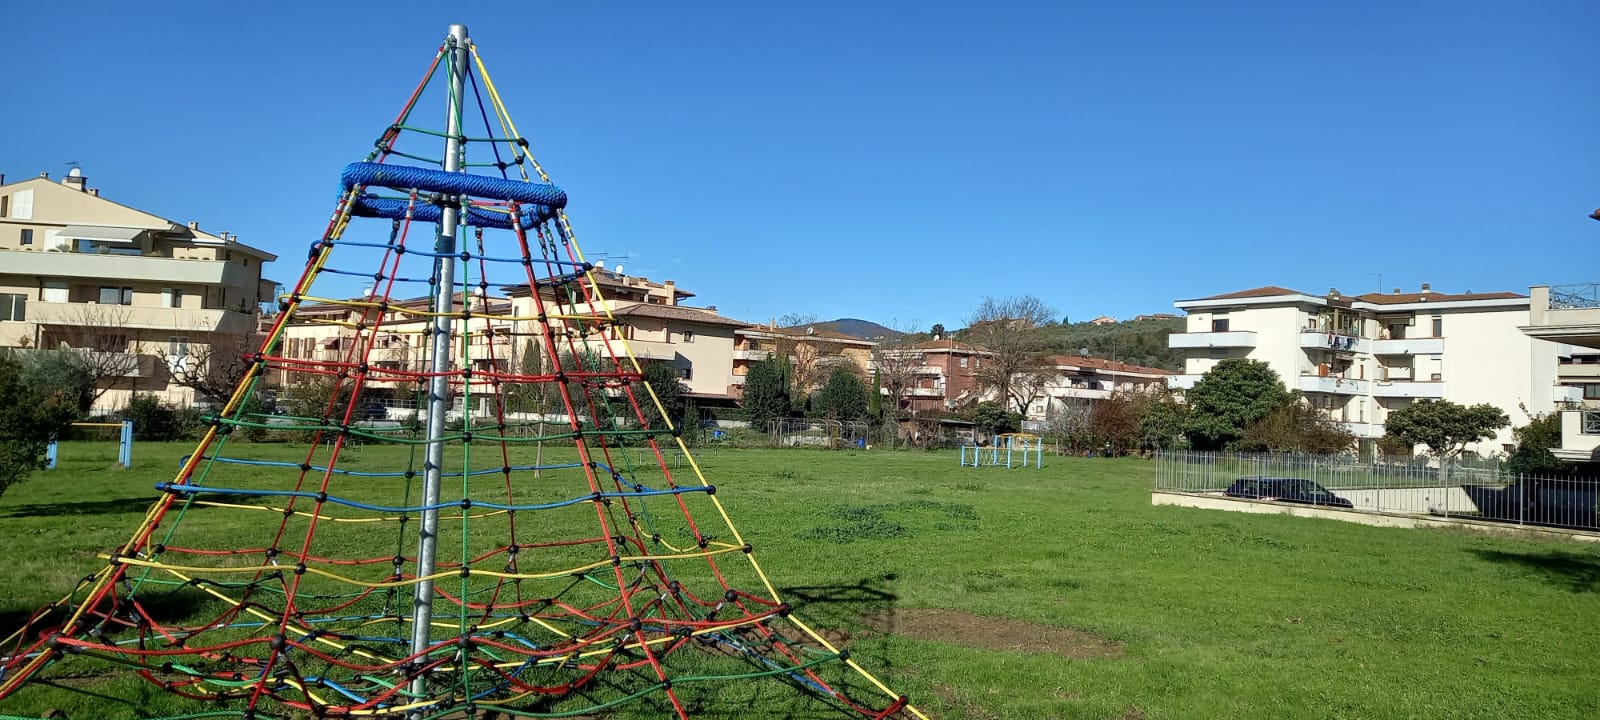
(50,454)
(125,447)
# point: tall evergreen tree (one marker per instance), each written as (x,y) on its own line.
(766,392)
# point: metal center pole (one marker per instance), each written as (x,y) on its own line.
(439,394)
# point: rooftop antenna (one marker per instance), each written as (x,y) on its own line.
(439,387)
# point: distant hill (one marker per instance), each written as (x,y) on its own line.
(1142,342)
(859,328)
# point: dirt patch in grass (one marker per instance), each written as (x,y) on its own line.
(991,633)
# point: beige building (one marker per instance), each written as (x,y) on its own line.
(814,353)
(1080,382)
(1570,315)
(1361,357)
(146,300)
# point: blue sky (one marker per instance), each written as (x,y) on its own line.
(892,161)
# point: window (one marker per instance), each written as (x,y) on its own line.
(13,307)
(1591,391)
(5,205)
(27,236)
(963,362)
(1218,353)
(1219,324)
(22,205)
(1438,326)
(55,292)
(171,298)
(688,336)
(686,373)
(116,295)
(178,347)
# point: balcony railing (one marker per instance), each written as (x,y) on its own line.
(1408,346)
(1575,297)
(1333,385)
(1433,390)
(1591,422)
(751,354)
(1182,382)
(1335,342)
(1231,339)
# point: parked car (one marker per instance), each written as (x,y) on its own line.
(1556,502)
(1285,489)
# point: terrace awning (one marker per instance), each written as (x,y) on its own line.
(101,233)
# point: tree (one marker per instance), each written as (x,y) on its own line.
(766,391)
(40,396)
(992,418)
(1011,329)
(212,370)
(1446,428)
(1228,399)
(1114,423)
(937,330)
(842,398)
(896,360)
(663,378)
(99,335)
(1534,441)
(1161,420)
(1295,426)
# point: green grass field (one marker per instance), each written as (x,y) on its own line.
(1053,593)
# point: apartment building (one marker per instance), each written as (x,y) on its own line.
(1570,315)
(143,298)
(697,341)
(814,353)
(941,374)
(1361,357)
(396,341)
(1080,381)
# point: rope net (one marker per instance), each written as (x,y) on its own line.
(572,570)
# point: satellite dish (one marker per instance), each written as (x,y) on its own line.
(619,268)
(1083,352)
(600,264)
(811,330)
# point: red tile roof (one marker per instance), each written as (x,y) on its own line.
(1263,291)
(677,312)
(1402,298)
(947,344)
(1101,364)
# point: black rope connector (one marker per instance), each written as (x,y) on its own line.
(784,609)
(322,497)
(513,549)
(399,560)
(616,559)
(466,503)
(747,549)
(466,436)
(466,572)
(278,642)
(288,512)
(666,684)
(844,654)
(505,469)
(305,467)
(703,543)
(272,552)
(711,489)
(635,624)
(577,434)
(300,568)
(730,595)
(159,548)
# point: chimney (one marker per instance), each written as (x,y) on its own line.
(1397,291)
(711,309)
(75,180)
(92,191)
(1426,289)
(45,175)
(1333,293)
(2,178)
(194,224)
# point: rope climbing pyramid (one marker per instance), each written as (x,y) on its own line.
(511,563)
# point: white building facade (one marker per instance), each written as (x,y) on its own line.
(1359,358)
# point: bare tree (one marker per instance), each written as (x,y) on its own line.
(213,370)
(101,338)
(1011,329)
(895,360)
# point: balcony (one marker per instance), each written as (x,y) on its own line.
(1333,385)
(1580,435)
(736,380)
(1565,314)
(1337,343)
(925,392)
(1080,393)
(1579,371)
(1561,394)
(756,355)
(1409,346)
(647,349)
(1231,339)
(93,266)
(1182,382)
(1363,430)
(139,317)
(1430,390)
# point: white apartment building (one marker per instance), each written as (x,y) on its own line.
(143,298)
(1361,357)
(1080,381)
(1570,315)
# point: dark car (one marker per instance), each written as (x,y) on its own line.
(1285,489)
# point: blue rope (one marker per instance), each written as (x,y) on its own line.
(369,206)
(410,177)
(355,473)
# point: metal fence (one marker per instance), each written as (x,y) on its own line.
(1470,489)
(1575,296)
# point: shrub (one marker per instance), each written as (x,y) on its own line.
(155,421)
